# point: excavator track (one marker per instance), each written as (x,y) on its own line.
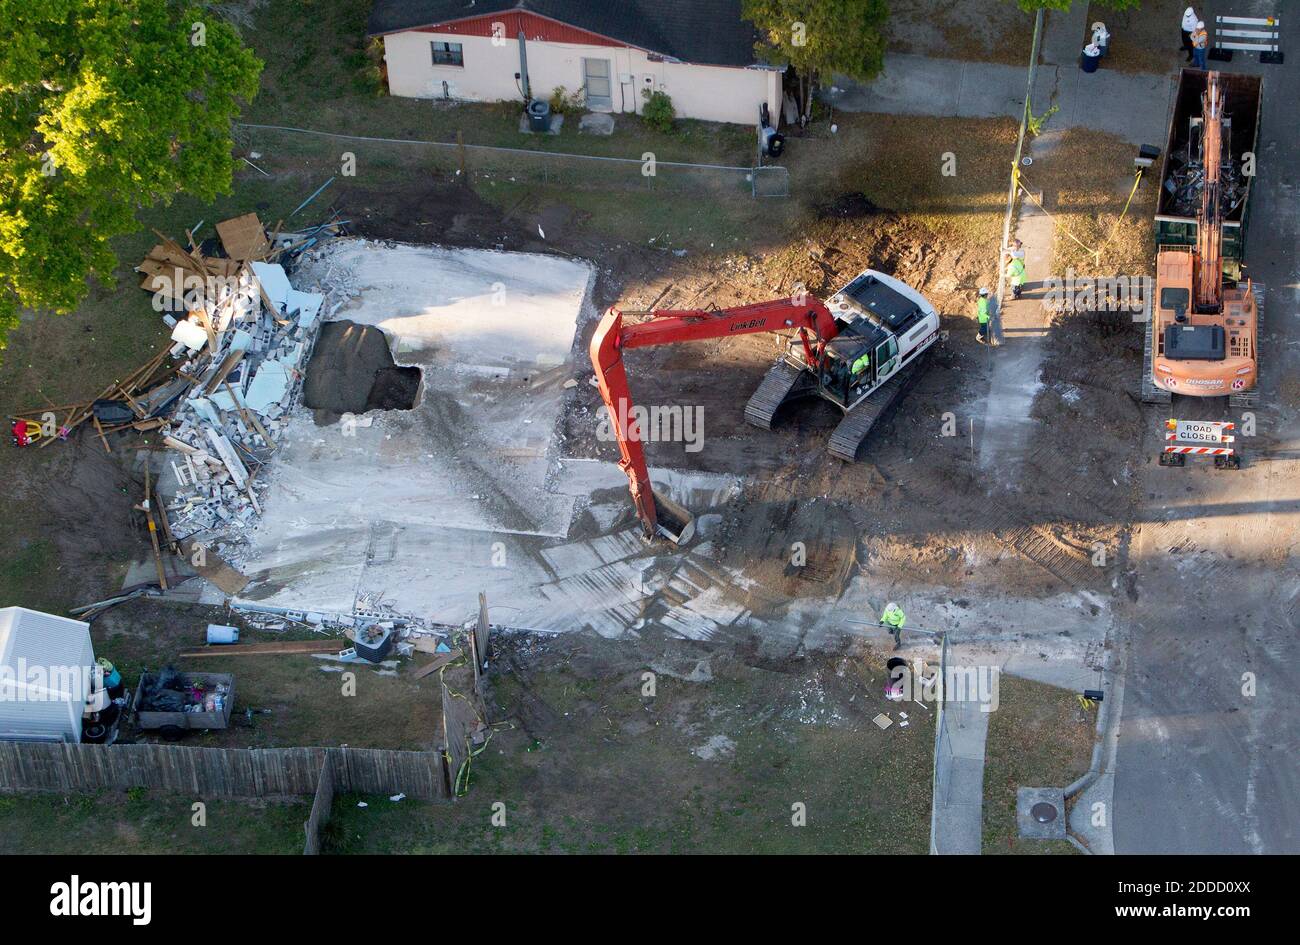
(846,439)
(1151,394)
(783,382)
(1250,398)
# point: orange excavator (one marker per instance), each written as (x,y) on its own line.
(861,352)
(1205,325)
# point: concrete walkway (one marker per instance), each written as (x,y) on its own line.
(917,86)
(958,826)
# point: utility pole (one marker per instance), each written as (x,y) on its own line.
(1015,164)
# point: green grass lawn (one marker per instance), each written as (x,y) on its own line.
(139,822)
(588,765)
(1037,738)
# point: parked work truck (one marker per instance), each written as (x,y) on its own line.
(1203,332)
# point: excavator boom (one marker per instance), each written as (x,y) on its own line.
(809,316)
(1209,237)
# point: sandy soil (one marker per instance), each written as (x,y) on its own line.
(989,30)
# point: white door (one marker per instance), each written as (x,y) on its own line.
(596,81)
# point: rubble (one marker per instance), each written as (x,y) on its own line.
(217,398)
(244,341)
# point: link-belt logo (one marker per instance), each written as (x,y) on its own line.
(744,326)
(76,898)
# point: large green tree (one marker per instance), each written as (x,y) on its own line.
(106,106)
(821,38)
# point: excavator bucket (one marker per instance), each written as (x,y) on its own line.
(672,521)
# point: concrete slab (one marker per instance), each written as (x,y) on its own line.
(557,122)
(596,123)
(440,492)
(1033,806)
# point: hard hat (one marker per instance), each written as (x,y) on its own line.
(1200,24)
(983,291)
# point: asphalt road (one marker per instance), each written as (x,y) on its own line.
(1205,763)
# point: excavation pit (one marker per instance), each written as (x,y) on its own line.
(352,371)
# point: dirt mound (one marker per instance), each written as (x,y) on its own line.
(848,206)
(352,371)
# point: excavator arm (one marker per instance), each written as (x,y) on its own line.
(1208,263)
(809,316)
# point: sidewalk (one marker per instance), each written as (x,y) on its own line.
(1020,327)
(958,827)
(917,85)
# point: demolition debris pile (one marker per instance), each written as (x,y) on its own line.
(242,333)
(1186,182)
(217,398)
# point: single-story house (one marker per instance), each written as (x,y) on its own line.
(700,52)
(47,666)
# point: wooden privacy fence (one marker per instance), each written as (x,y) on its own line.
(321,808)
(219,772)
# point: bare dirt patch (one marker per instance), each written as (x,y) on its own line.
(981,30)
(1086,181)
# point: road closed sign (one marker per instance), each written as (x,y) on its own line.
(1202,431)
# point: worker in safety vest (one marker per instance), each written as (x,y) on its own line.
(982,316)
(892,620)
(860,365)
(1200,44)
(1016,276)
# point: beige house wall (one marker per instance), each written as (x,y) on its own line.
(711,93)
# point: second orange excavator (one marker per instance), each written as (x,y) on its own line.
(1204,329)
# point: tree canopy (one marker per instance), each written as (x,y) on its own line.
(106,106)
(822,37)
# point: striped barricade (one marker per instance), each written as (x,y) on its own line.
(1255,34)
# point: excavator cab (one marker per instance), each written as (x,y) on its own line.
(858,359)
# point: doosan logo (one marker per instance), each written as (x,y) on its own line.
(76,898)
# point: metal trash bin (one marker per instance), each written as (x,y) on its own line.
(1090,58)
(539,116)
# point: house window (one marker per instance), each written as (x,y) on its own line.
(447,54)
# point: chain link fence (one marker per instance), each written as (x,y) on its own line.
(943,751)
(375,160)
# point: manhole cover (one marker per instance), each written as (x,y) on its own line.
(1043,812)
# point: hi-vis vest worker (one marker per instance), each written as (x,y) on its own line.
(892,620)
(861,364)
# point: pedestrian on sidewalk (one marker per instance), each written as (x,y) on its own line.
(1200,45)
(1190,19)
(892,620)
(1016,276)
(982,316)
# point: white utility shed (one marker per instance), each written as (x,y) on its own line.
(46,665)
